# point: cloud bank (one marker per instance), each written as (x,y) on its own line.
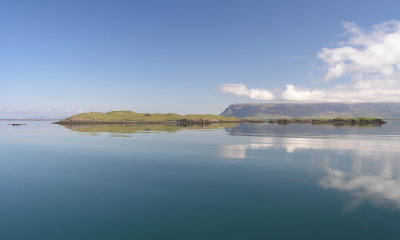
(242,90)
(371,59)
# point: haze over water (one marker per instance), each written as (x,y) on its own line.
(249,181)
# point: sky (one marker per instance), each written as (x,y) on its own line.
(193,56)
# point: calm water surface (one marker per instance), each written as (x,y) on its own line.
(249,181)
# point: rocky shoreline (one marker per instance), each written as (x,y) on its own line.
(335,121)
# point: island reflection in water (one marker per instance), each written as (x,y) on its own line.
(123,130)
(362,161)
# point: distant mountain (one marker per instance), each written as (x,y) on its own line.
(312,110)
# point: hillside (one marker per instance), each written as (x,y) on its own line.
(313,110)
(128,116)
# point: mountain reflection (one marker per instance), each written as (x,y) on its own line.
(363,162)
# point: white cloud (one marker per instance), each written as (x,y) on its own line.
(370,90)
(242,90)
(375,52)
(370,58)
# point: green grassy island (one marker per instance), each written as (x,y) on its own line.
(125,117)
(128,117)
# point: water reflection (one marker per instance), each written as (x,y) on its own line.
(363,163)
(351,144)
(381,190)
(124,130)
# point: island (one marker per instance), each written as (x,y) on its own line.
(129,117)
(334,121)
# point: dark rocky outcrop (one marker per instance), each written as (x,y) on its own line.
(335,121)
(17,124)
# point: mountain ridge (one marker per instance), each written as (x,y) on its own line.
(312,110)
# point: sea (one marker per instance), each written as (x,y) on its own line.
(235,181)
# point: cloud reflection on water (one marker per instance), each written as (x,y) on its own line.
(373,174)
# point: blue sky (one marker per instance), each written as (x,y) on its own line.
(178,56)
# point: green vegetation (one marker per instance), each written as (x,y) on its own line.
(357,118)
(128,116)
(333,119)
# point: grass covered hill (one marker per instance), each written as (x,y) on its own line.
(128,116)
